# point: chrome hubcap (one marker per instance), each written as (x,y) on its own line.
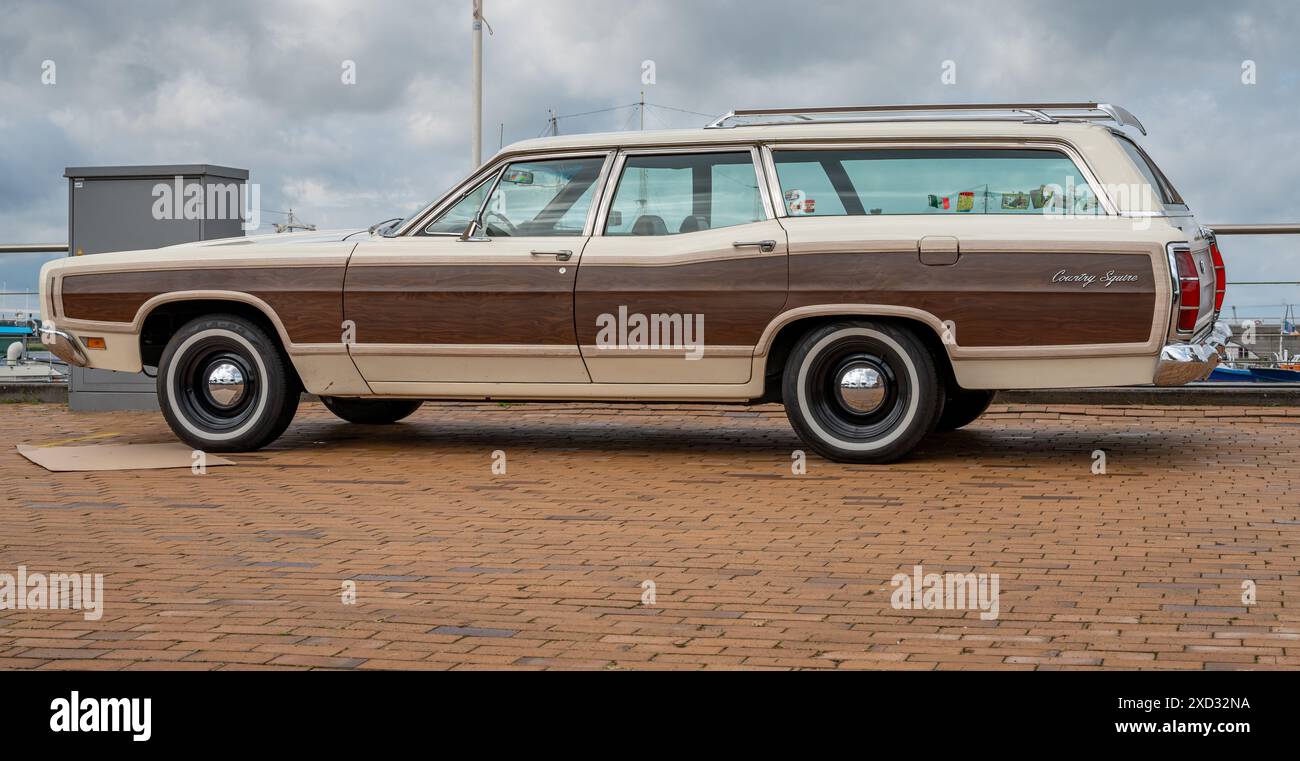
(861,387)
(225,384)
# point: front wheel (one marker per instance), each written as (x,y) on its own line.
(861,391)
(224,386)
(370,411)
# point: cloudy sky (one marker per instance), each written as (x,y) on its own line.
(257,85)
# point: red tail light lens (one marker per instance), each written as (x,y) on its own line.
(1189,290)
(1220,276)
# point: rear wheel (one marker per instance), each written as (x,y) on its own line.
(370,411)
(861,391)
(963,407)
(224,386)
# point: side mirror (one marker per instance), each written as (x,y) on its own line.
(615,218)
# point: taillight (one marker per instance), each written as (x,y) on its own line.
(1220,276)
(1189,290)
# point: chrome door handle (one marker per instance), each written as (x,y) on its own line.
(765,246)
(562,255)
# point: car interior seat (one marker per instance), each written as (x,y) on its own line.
(649,224)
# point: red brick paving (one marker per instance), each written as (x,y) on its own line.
(542,567)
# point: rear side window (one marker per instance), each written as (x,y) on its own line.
(1159,183)
(931,181)
(685,193)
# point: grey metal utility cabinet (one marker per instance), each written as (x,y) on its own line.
(111,208)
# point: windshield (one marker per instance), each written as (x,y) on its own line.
(388,227)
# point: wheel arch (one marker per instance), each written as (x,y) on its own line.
(159,318)
(783,332)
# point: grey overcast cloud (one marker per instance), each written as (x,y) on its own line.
(258,85)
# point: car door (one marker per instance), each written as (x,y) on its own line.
(685,271)
(438,306)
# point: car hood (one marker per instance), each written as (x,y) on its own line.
(316,246)
(280,239)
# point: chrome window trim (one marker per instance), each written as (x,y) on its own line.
(474,234)
(430,213)
(616,174)
(598,195)
(773,182)
(760,177)
(607,197)
(1062,146)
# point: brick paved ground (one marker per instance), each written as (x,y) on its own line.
(754,567)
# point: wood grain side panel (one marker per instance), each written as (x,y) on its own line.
(738,297)
(994,299)
(461,304)
(308,300)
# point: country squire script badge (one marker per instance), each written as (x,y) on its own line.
(1085,279)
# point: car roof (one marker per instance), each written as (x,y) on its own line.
(810,132)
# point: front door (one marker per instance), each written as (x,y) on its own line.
(686,272)
(439,307)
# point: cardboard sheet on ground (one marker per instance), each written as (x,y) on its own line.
(116,457)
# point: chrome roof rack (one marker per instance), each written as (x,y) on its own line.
(1036,113)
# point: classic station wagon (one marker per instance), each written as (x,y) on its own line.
(880,270)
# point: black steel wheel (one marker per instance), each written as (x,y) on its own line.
(861,391)
(224,385)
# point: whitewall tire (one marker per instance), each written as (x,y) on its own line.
(225,386)
(861,391)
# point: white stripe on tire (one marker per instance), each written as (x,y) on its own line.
(253,419)
(914,399)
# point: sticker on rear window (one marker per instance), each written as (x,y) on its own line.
(1015,201)
(798,203)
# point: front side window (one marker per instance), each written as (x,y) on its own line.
(931,181)
(685,193)
(454,220)
(542,198)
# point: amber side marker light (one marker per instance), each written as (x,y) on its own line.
(94,342)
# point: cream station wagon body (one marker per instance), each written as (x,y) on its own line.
(880,270)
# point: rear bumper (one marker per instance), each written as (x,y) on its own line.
(1182,363)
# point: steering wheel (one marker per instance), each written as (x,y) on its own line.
(504,227)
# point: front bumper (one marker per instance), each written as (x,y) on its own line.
(64,346)
(1182,363)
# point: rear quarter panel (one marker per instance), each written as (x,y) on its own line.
(1027,287)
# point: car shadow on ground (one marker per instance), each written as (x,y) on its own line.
(990,445)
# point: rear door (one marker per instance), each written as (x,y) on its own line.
(686,269)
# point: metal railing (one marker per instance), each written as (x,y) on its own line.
(36,366)
(33,248)
(1279,229)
